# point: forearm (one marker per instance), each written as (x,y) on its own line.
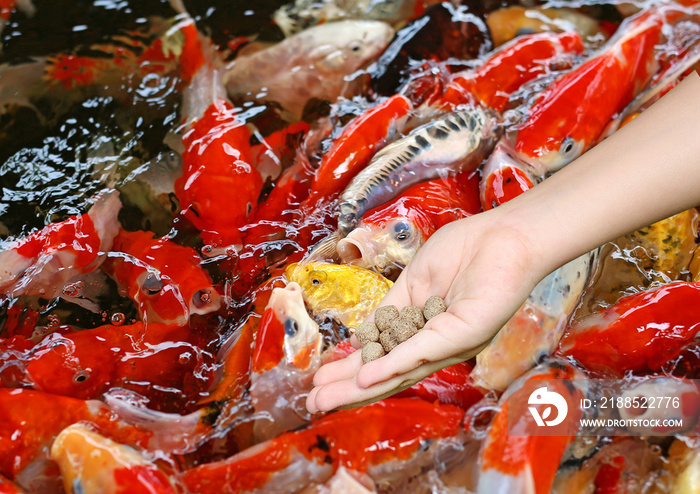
(646,171)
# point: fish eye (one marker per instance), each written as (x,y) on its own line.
(402,230)
(317,277)
(201,298)
(291,327)
(355,46)
(152,285)
(567,145)
(81,376)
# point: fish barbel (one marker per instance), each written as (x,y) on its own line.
(314,63)
(346,293)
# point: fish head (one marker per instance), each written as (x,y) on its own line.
(287,333)
(317,280)
(382,245)
(345,46)
(505,176)
(79,365)
(549,145)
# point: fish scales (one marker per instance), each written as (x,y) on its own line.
(454,143)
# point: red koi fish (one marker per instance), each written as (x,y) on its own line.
(84,364)
(165,280)
(391,234)
(557,131)
(640,333)
(512,459)
(43,262)
(30,420)
(216,161)
(358,142)
(287,354)
(375,439)
(519,61)
(504,177)
(91,463)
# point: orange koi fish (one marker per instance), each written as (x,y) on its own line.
(512,460)
(556,130)
(30,420)
(91,463)
(165,280)
(640,333)
(508,68)
(43,262)
(358,142)
(375,439)
(391,234)
(84,364)
(217,160)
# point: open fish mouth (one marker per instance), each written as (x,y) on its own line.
(353,251)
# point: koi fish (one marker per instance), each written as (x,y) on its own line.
(358,142)
(32,419)
(314,63)
(92,463)
(536,328)
(508,68)
(391,234)
(556,132)
(165,280)
(345,293)
(504,177)
(455,143)
(84,364)
(302,14)
(510,457)
(683,391)
(9,487)
(378,439)
(511,22)
(45,261)
(287,354)
(640,333)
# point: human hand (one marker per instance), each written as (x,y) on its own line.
(484,271)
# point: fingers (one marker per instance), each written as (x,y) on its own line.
(346,393)
(444,337)
(339,370)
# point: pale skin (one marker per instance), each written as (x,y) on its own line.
(485,266)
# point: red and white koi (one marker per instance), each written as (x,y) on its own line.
(287,353)
(390,235)
(511,458)
(536,328)
(165,280)
(382,439)
(45,261)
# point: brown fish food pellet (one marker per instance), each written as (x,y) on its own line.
(403,329)
(384,316)
(414,315)
(388,340)
(433,306)
(367,332)
(372,351)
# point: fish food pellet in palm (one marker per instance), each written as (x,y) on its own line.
(388,340)
(372,351)
(414,315)
(403,329)
(384,316)
(367,332)
(433,306)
